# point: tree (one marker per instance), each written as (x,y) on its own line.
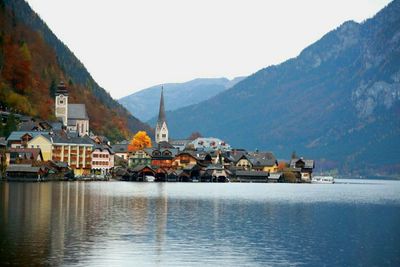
(139,141)
(289,177)
(194,136)
(53,88)
(11,125)
(282,165)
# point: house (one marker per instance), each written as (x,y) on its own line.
(216,172)
(184,159)
(139,157)
(121,150)
(19,139)
(25,155)
(73,116)
(244,162)
(304,166)
(76,151)
(257,161)
(162,157)
(102,159)
(264,161)
(44,142)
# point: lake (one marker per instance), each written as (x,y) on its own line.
(350,223)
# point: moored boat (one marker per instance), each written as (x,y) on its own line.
(322,180)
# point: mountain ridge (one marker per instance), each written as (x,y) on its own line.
(338,99)
(144,103)
(49,61)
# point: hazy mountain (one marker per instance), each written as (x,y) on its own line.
(144,103)
(338,100)
(32,62)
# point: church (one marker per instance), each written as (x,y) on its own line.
(161,132)
(73,116)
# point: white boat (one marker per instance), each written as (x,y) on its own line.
(322,180)
(149,178)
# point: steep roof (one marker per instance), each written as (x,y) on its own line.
(120,148)
(308,163)
(16,135)
(61,89)
(84,140)
(161,113)
(77,111)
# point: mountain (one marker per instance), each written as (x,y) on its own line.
(33,61)
(339,100)
(144,103)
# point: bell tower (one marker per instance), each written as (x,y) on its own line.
(61,102)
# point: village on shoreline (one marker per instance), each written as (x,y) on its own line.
(38,150)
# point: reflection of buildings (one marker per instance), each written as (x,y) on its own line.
(56,223)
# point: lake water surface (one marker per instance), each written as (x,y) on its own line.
(351,223)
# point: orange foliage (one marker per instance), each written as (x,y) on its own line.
(139,141)
(282,165)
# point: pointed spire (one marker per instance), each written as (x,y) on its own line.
(161,113)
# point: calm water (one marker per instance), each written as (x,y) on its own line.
(137,224)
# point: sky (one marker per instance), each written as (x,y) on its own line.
(129,45)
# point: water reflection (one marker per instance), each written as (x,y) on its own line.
(102,224)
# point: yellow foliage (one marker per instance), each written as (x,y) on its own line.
(139,141)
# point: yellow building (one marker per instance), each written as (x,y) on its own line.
(45,145)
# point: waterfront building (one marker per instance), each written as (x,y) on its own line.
(162,157)
(121,150)
(73,116)
(76,151)
(44,143)
(25,155)
(251,176)
(140,157)
(304,167)
(20,139)
(184,159)
(257,161)
(102,159)
(161,131)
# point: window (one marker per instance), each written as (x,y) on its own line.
(164,135)
(32,146)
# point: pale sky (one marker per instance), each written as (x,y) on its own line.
(128,45)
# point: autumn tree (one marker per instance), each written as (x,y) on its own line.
(139,141)
(282,165)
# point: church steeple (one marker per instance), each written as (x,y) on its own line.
(161,112)
(161,127)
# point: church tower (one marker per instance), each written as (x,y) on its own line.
(62,103)
(161,127)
